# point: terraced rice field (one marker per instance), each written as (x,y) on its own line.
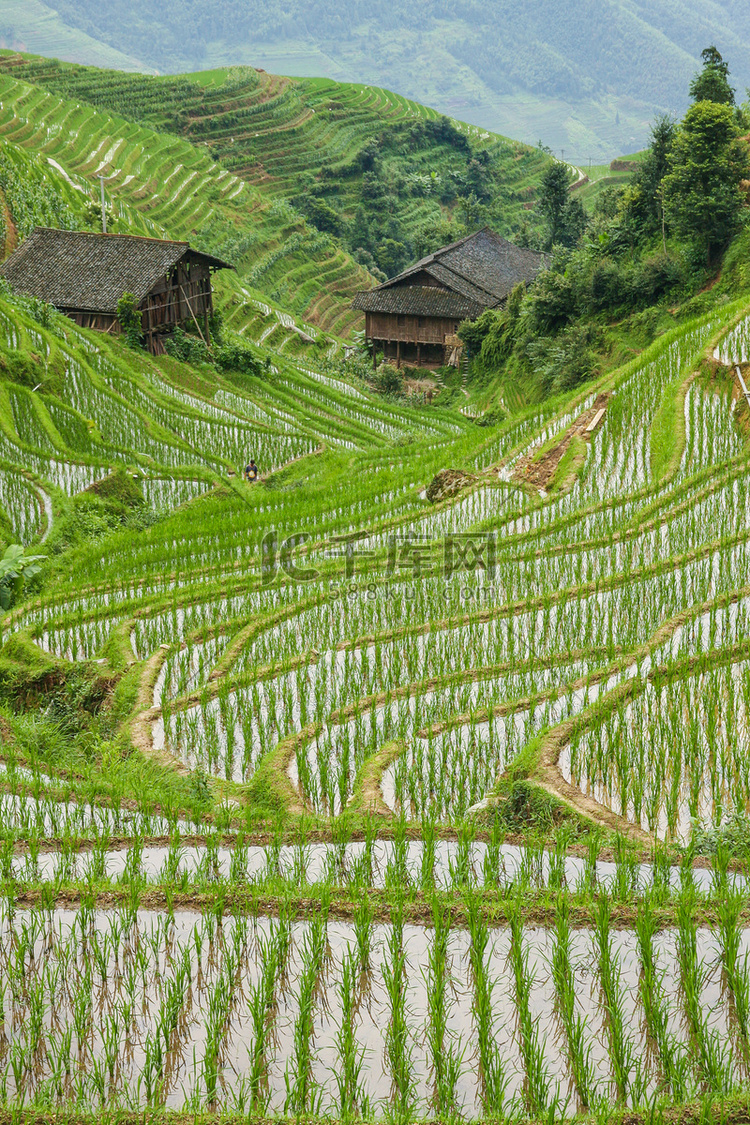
(165,186)
(273,138)
(387,809)
(356,698)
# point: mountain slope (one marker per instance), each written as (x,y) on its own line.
(163,185)
(582,75)
(31,25)
(388,179)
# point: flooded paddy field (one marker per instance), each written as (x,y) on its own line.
(119,1007)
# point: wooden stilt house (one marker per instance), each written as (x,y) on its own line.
(84,275)
(412,318)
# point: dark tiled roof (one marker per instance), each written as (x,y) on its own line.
(481,267)
(418,300)
(80,270)
(455,282)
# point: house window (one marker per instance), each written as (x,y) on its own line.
(401,320)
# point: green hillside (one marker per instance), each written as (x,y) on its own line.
(388,178)
(164,185)
(31,25)
(411,782)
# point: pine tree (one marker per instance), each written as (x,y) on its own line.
(712,83)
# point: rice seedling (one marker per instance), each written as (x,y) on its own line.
(712,1059)
(492,1076)
(398,1038)
(574,1025)
(446,1056)
(352,1102)
(621,1047)
(303,1096)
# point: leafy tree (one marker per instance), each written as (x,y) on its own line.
(479,176)
(551,302)
(392,256)
(642,202)
(575,222)
(129,317)
(472,212)
(369,156)
(707,162)
(563,215)
(434,234)
(16,567)
(93,215)
(494,333)
(712,83)
(321,214)
(553,199)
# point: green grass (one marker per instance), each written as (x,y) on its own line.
(569,466)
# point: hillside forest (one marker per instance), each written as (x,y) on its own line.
(671,242)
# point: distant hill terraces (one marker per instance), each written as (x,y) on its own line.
(327,147)
(288,272)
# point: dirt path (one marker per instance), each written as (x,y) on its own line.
(537,470)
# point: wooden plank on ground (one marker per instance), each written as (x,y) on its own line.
(744,387)
(596,420)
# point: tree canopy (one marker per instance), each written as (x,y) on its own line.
(712,83)
(707,162)
(562,213)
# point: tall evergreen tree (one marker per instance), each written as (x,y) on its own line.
(564,215)
(643,196)
(712,83)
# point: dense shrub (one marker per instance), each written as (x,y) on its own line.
(654,278)
(227,354)
(606,285)
(20,367)
(320,214)
(565,361)
(189,349)
(388,380)
(551,302)
(474,332)
(235,356)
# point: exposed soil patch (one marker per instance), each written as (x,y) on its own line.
(539,471)
(447,483)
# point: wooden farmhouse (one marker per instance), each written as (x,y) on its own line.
(84,275)
(411,318)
